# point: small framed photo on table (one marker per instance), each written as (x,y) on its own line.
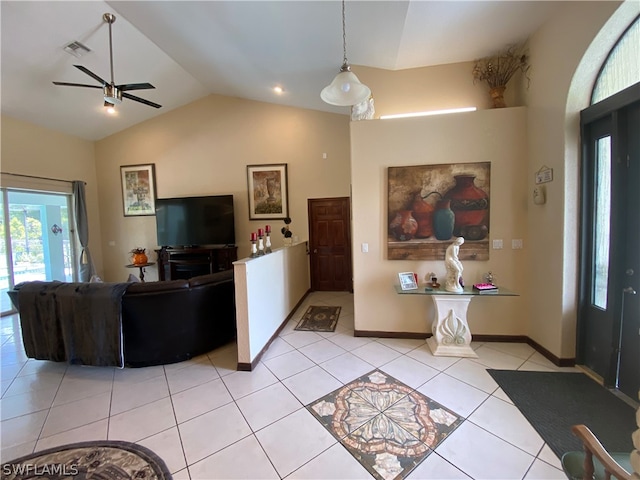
(408,281)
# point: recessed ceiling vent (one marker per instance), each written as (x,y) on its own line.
(76,49)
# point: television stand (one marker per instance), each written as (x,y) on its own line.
(185,262)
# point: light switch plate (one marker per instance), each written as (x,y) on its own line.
(516,243)
(365,248)
(497,244)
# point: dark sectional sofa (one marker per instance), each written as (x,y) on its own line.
(164,322)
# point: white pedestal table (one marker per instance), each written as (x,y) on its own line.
(451,336)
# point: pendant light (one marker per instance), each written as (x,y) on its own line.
(346,89)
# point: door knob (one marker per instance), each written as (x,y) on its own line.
(629,290)
(315,250)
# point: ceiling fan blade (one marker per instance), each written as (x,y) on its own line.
(134,86)
(141,100)
(67,84)
(91,74)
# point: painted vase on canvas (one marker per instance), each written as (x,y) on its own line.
(443,220)
(403,226)
(469,203)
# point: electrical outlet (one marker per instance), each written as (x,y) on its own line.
(497,244)
(516,243)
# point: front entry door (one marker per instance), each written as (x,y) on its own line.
(330,244)
(609,324)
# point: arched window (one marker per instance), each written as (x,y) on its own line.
(621,69)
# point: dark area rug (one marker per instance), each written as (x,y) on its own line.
(108,459)
(554,401)
(319,319)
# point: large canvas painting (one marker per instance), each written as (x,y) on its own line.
(430,205)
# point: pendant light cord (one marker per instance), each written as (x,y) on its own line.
(344,36)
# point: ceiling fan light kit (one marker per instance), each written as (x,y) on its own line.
(345,89)
(112,93)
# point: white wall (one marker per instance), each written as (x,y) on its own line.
(497,136)
(267,289)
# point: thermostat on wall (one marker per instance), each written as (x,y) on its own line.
(544,175)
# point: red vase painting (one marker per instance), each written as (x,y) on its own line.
(469,203)
(403,226)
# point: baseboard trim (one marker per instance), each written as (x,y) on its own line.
(248,367)
(559,362)
(371,333)
(500,338)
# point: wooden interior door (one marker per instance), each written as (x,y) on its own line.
(330,244)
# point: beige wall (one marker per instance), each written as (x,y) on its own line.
(496,136)
(557,49)
(204,148)
(431,88)
(28,149)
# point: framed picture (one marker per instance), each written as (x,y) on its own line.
(408,281)
(138,189)
(268,192)
(429,206)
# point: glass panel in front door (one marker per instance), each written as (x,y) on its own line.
(602,217)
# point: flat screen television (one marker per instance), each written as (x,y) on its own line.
(195,221)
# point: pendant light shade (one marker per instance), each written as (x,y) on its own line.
(345,89)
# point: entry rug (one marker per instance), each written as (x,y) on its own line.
(319,319)
(108,459)
(387,426)
(554,401)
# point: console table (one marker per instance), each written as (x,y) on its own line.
(176,263)
(451,334)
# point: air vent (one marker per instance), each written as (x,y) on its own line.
(77,49)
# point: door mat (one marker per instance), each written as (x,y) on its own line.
(554,401)
(319,319)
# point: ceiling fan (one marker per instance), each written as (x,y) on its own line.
(113,93)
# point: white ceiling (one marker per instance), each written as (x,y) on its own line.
(238,48)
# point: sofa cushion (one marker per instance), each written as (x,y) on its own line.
(211,278)
(133,278)
(149,287)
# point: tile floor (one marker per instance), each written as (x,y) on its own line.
(207,420)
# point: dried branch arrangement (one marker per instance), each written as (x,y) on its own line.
(498,69)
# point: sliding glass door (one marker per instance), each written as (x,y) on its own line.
(36,239)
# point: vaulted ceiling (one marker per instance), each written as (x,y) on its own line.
(237,48)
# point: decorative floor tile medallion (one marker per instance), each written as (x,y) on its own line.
(387,426)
